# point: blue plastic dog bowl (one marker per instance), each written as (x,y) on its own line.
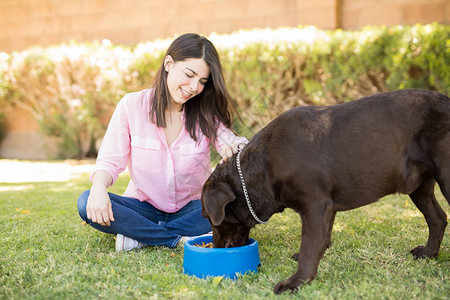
(229,262)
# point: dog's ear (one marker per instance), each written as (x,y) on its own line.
(216,195)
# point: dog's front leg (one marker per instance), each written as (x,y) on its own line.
(316,224)
(329,241)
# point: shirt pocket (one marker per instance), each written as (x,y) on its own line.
(146,154)
(193,158)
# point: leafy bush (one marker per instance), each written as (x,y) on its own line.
(67,89)
(277,70)
(72,89)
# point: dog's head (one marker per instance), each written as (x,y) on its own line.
(230,220)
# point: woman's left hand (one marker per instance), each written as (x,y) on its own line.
(229,150)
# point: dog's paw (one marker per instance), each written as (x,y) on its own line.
(417,252)
(284,286)
(422,252)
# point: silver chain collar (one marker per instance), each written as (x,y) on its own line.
(247,199)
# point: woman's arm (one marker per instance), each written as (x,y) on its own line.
(111,160)
(99,204)
(115,148)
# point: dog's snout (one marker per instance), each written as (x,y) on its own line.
(229,245)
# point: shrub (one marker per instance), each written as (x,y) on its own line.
(277,70)
(67,89)
(72,89)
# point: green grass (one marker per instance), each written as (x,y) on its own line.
(48,253)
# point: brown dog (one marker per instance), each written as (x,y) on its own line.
(321,160)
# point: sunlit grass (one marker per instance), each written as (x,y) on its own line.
(48,252)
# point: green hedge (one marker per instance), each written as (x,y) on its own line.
(72,89)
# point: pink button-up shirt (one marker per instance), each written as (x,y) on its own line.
(167,177)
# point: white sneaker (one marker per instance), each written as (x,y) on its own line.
(124,243)
(185,239)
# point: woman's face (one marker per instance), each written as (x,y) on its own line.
(185,78)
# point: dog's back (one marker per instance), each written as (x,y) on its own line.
(368,148)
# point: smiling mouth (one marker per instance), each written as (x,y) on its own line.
(185,94)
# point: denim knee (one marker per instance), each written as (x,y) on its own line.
(82,202)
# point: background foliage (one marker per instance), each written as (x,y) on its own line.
(71,90)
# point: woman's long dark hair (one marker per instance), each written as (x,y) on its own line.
(206,110)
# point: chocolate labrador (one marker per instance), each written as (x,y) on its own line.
(321,160)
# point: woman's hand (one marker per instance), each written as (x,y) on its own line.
(98,206)
(229,150)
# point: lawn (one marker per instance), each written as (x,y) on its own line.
(47,252)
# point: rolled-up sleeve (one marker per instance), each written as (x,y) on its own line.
(115,148)
(226,138)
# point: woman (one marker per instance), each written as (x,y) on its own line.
(163,135)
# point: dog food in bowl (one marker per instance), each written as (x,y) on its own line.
(209,245)
(203,262)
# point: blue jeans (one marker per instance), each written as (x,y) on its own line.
(146,224)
